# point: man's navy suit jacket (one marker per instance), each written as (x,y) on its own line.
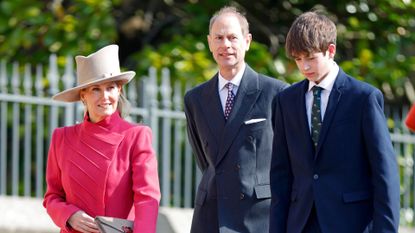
(234,156)
(352,177)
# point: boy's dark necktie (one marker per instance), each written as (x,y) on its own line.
(316,115)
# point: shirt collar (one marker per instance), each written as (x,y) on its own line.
(328,82)
(236,80)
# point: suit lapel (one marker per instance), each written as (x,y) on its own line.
(334,100)
(246,98)
(212,108)
(303,121)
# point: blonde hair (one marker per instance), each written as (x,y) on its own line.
(124,105)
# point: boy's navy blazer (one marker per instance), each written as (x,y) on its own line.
(234,155)
(352,177)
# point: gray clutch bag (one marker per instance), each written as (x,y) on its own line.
(114,225)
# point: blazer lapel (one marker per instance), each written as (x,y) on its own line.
(212,108)
(334,100)
(246,97)
(303,121)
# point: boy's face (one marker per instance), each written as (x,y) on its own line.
(316,66)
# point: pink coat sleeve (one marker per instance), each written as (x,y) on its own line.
(145,184)
(54,200)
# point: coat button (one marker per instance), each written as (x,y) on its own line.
(241,196)
(250,138)
(315,176)
(237,167)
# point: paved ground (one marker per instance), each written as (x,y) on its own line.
(27,215)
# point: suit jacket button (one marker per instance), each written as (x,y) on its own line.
(237,167)
(242,196)
(315,176)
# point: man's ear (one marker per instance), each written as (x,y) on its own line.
(209,39)
(248,41)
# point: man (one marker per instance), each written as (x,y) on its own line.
(333,167)
(230,130)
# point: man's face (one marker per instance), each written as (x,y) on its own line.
(227,43)
(316,66)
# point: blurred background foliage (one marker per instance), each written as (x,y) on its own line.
(376,39)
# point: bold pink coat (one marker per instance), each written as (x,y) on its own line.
(107,168)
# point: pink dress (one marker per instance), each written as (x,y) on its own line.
(107,168)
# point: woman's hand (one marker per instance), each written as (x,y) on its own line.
(82,222)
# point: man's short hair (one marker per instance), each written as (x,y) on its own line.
(231,10)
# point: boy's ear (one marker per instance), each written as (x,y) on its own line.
(332,50)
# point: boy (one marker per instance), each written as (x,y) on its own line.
(333,167)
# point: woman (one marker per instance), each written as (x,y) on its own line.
(104,166)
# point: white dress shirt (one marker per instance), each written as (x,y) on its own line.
(327,85)
(223,91)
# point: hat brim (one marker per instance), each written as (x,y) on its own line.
(73,94)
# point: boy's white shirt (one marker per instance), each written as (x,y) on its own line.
(327,85)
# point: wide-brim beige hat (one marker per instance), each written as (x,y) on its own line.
(99,67)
